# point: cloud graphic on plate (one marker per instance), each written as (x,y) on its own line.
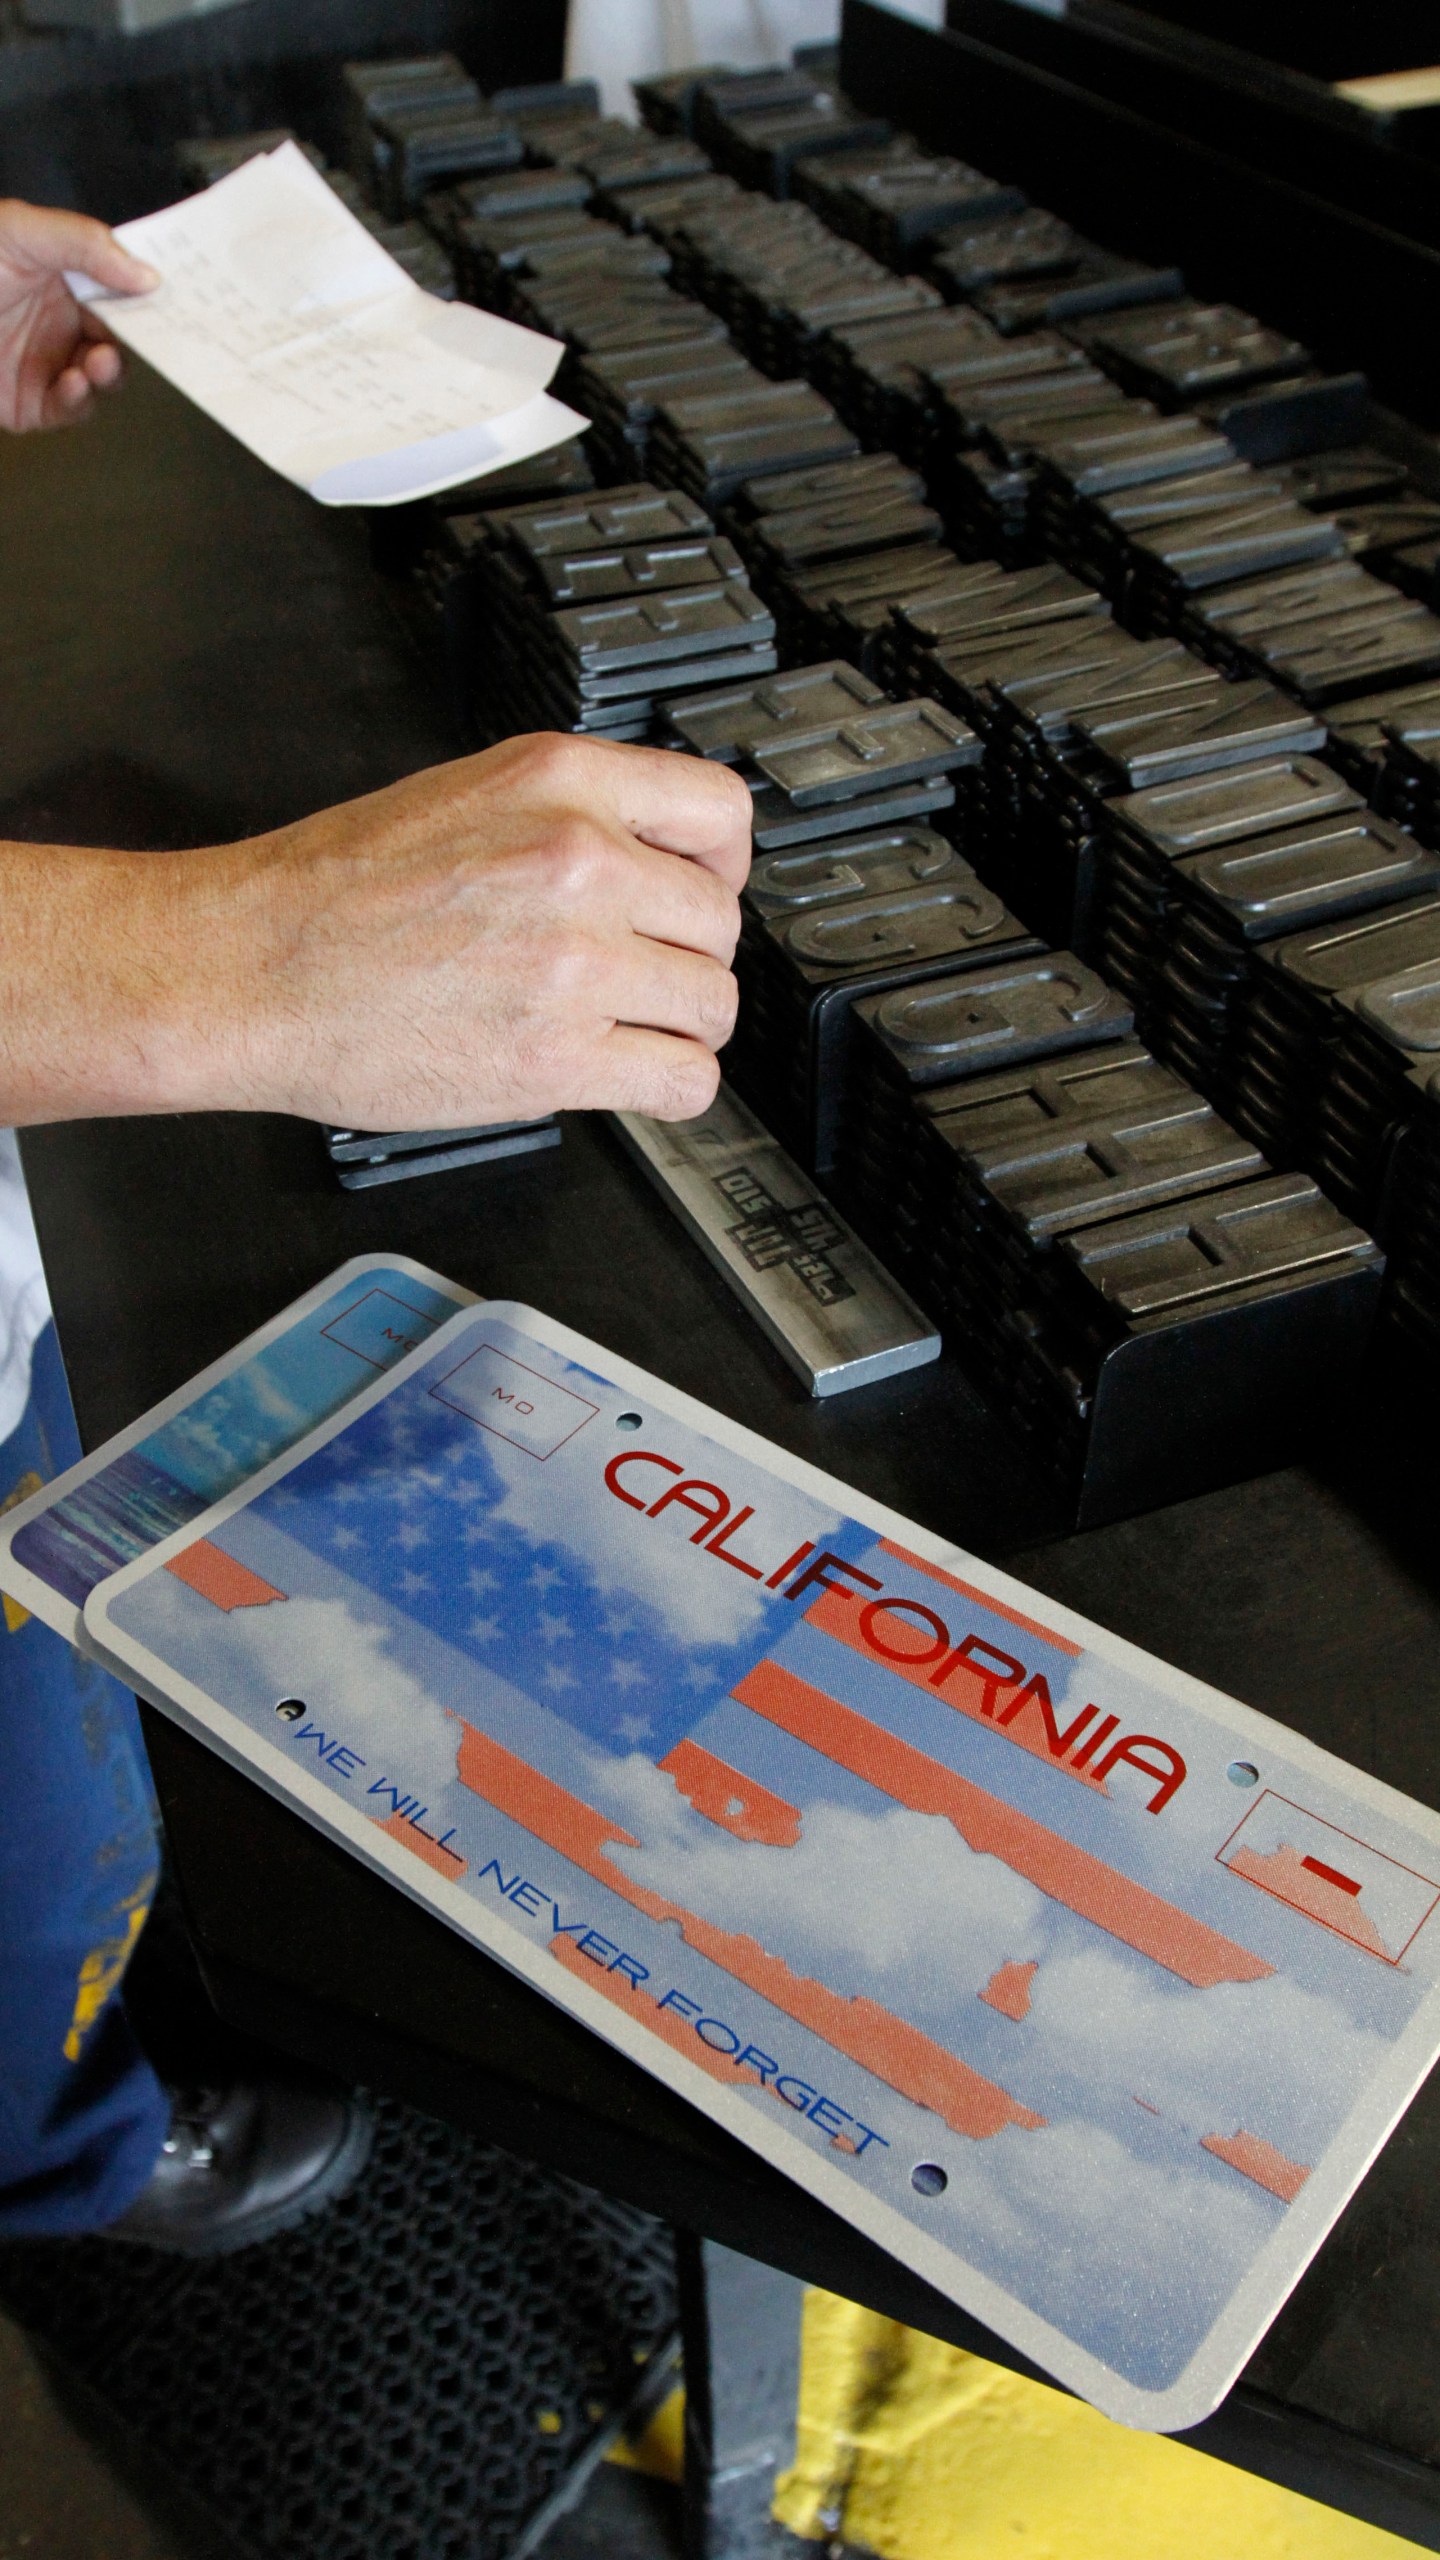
(1284,2061)
(342,1665)
(241,1421)
(897,1901)
(836,1903)
(1135,2257)
(351,1673)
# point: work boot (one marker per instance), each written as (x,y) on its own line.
(245,2161)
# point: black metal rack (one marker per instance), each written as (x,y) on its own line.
(1213,74)
(1127,161)
(1330,40)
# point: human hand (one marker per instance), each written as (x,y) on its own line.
(54,353)
(546,926)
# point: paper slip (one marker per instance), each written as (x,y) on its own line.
(216,1430)
(1083,1990)
(281,318)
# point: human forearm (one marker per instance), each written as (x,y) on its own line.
(116,994)
(546,926)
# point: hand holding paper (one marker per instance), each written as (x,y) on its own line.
(284,320)
(53,352)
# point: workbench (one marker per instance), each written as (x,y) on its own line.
(191,651)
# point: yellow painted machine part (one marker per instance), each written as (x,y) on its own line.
(918,2451)
(661,2449)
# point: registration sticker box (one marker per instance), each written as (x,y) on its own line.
(515,1402)
(1330,1876)
(379,1328)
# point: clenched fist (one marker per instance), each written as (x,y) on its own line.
(546,926)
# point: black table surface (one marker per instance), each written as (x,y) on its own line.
(191,651)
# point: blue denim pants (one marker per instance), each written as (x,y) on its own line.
(82,2115)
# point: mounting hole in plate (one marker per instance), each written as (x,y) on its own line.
(292,1709)
(1243,1773)
(628,1421)
(928,2178)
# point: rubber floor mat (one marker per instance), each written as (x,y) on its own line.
(416,2374)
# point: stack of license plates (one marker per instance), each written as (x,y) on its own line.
(826,752)
(1290,1023)
(827,924)
(1196,874)
(1153,1306)
(364,1157)
(590,614)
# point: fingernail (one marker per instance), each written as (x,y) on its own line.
(149,276)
